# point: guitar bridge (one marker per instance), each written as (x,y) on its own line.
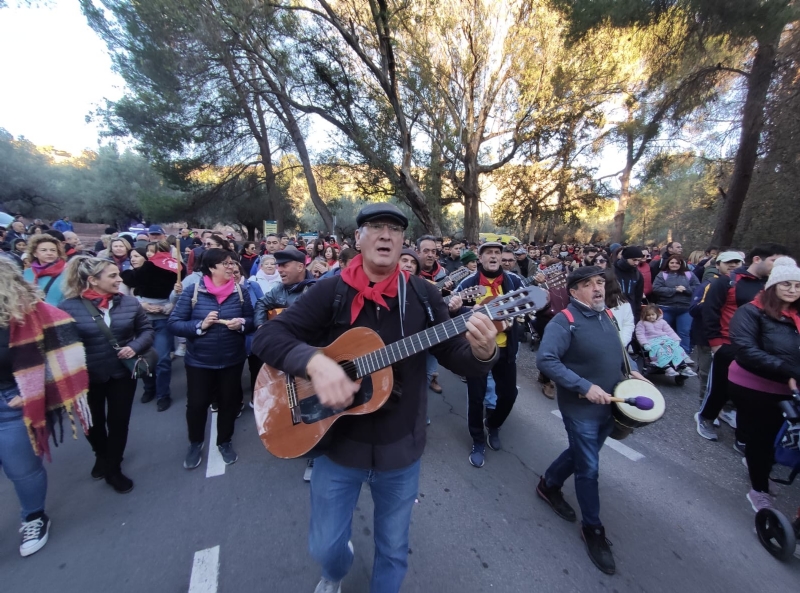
(291,392)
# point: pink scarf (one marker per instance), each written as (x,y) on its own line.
(220,292)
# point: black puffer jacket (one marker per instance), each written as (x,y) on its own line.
(765,346)
(129,325)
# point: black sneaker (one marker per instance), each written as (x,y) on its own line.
(194,456)
(738,446)
(555,499)
(229,456)
(164,403)
(147,397)
(35,531)
(493,439)
(599,548)
(119,482)
(99,469)
(477,455)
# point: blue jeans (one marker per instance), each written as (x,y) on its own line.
(22,466)
(490,399)
(163,344)
(582,458)
(681,321)
(431,366)
(334,494)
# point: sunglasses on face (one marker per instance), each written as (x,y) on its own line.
(600,260)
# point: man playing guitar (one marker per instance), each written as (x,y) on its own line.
(384,447)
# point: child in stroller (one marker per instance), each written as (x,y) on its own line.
(661,345)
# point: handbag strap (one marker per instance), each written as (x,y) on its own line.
(625,360)
(98,319)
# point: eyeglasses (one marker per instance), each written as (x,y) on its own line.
(229,264)
(395,229)
(600,260)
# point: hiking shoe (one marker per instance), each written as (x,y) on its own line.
(728,417)
(598,547)
(435,387)
(493,439)
(309,470)
(549,390)
(181,349)
(229,456)
(119,482)
(35,532)
(670,372)
(164,403)
(194,456)
(759,500)
(738,446)
(687,372)
(477,454)
(555,498)
(147,397)
(705,428)
(99,469)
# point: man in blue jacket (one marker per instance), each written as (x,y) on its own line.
(582,352)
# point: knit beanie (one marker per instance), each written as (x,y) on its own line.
(468,256)
(632,252)
(783,270)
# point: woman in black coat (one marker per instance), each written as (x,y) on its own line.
(111,388)
(765,370)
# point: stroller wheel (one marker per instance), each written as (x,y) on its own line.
(776,534)
(680,380)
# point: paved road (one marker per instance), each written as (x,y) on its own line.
(677,516)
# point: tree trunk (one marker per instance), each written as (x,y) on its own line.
(622,205)
(752,123)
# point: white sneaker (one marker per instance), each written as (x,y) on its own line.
(687,372)
(728,418)
(309,470)
(181,349)
(326,586)
(670,372)
(688,360)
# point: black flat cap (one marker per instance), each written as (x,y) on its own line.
(290,254)
(381,210)
(582,274)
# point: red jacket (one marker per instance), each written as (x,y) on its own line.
(725,295)
(644,268)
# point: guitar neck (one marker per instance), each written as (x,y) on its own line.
(407,347)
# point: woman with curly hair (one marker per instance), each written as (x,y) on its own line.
(48,261)
(31,399)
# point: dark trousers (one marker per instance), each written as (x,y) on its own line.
(254,363)
(504,373)
(110,403)
(718,388)
(759,419)
(206,385)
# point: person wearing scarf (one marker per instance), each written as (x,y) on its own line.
(765,334)
(295,280)
(214,316)
(153,283)
(431,270)
(96,281)
(48,261)
(267,274)
(42,375)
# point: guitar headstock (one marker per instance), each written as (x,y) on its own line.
(517,303)
(459,274)
(472,293)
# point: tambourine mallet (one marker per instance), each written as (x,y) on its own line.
(641,402)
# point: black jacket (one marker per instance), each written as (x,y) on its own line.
(725,295)
(394,436)
(766,347)
(130,327)
(632,283)
(150,281)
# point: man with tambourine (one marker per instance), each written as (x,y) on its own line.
(582,352)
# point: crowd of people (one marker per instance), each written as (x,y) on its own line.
(123,310)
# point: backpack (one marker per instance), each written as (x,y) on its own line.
(688,275)
(787,452)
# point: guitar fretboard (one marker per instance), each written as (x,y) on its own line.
(407,347)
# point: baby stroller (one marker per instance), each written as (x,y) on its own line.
(649,366)
(664,356)
(775,531)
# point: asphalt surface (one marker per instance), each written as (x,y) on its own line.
(677,516)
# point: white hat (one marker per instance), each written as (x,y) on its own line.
(727,256)
(783,270)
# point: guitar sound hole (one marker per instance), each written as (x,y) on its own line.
(312,411)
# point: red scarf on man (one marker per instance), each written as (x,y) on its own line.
(94,297)
(355,276)
(432,274)
(494,286)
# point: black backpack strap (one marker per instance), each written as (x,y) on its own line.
(339,300)
(49,285)
(422,295)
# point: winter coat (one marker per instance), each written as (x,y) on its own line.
(664,289)
(280,296)
(55,294)
(632,284)
(650,330)
(130,327)
(767,347)
(624,316)
(725,295)
(216,347)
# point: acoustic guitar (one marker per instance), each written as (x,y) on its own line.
(467,295)
(289,416)
(455,277)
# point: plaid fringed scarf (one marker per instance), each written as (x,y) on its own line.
(49,365)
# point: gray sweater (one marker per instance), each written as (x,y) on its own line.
(581,354)
(664,288)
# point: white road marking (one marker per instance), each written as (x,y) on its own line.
(216,466)
(205,571)
(620,448)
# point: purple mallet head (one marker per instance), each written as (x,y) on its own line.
(643,403)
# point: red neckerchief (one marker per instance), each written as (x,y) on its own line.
(789,314)
(354,275)
(432,274)
(100,300)
(493,285)
(165,261)
(53,269)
